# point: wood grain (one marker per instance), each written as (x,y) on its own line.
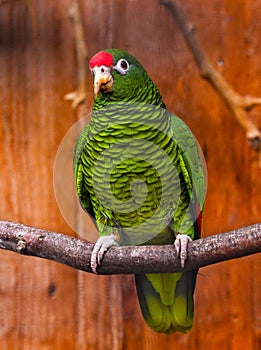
(47,306)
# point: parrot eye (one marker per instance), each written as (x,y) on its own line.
(122,66)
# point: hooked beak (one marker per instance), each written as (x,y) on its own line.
(103,80)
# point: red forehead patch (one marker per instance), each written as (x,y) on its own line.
(101,58)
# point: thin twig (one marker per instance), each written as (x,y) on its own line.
(128,260)
(238,104)
(78,96)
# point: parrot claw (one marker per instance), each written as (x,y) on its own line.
(100,248)
(181,246)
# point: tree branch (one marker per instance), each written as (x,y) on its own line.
(128,260)
(238,104)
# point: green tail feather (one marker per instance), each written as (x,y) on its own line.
(166,300)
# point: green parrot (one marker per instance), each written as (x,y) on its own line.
(139,174)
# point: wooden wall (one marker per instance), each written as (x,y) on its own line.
(44,305)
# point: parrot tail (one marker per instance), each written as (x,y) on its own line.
(166,300)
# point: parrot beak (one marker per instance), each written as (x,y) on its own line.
(103,80)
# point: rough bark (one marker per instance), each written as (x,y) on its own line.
(76,252)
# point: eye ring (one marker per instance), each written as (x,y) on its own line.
(122,66)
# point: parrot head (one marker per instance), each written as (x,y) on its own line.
(119,76)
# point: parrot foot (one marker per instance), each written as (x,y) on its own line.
(181,246)
(100,248)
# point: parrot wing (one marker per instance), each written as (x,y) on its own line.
(194,169)
(166,300)
(84,196)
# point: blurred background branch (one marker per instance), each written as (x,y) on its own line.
(79,95)
(238,104)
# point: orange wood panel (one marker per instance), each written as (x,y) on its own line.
(44,305)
